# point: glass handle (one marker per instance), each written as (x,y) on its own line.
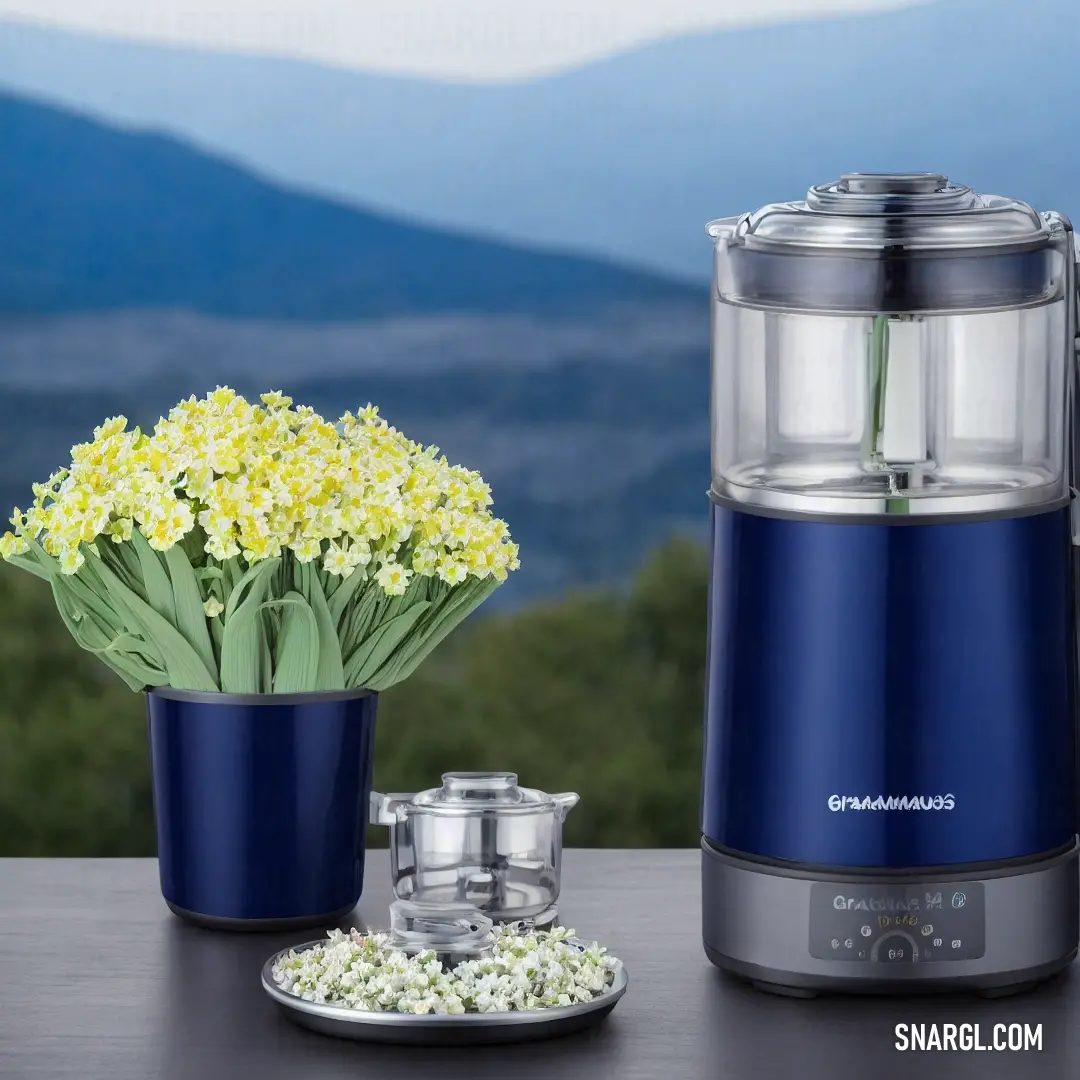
(383,808)
(723,228)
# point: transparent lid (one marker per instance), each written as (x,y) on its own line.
(891,243)
(922,211)
(481,791)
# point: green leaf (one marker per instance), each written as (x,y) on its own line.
(361,619)
(266,660)
(137,650)
(217,633)
(452,598)
(48,564)
(331,666)
(136,677)
(398,604)
(193,544)
(130,674)
(243,648)
(93,638)
(215,590)
(339,601)
(89,596)
(159,593)
(87,633)
(248,583)
(296,656)
(186,671)
(233,572)
(330,583)
(188,603)
(214,581)
(125,655)
(246,660)
(31,566)
(435,632)
(425,587)
(86,590)
(369,657)
(124,562)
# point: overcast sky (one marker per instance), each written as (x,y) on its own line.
(458,39)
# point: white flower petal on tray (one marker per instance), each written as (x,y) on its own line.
(363,972)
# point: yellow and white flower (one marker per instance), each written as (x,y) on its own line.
(257,479)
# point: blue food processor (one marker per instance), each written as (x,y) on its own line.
(889,796)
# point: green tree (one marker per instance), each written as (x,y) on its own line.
(74,766)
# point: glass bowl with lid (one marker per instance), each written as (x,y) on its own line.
(479,840)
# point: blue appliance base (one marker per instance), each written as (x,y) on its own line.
(262,926)
(1024,921)
(885,696)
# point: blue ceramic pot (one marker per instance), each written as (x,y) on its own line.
(261,804)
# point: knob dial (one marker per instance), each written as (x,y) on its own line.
(893,183)
(895,949)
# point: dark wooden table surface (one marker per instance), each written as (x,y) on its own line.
(98,981)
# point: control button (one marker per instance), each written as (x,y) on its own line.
(897,949)
(866,931)
(862,954)
(835,943)
(956,943)
(958,899)
(849,943)
(927,930)
(937,943)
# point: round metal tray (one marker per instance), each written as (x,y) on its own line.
(466,1029)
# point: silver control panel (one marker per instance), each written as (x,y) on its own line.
(898,924)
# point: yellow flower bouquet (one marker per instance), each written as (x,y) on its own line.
(259,549)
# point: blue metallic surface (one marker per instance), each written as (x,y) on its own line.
(262,808)
(890,660)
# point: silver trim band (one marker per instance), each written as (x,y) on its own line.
(1025,498)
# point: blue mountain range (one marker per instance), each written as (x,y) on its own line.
(92,218)
(626,157)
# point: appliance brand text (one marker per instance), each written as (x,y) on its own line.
(876,903)
(892,802)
